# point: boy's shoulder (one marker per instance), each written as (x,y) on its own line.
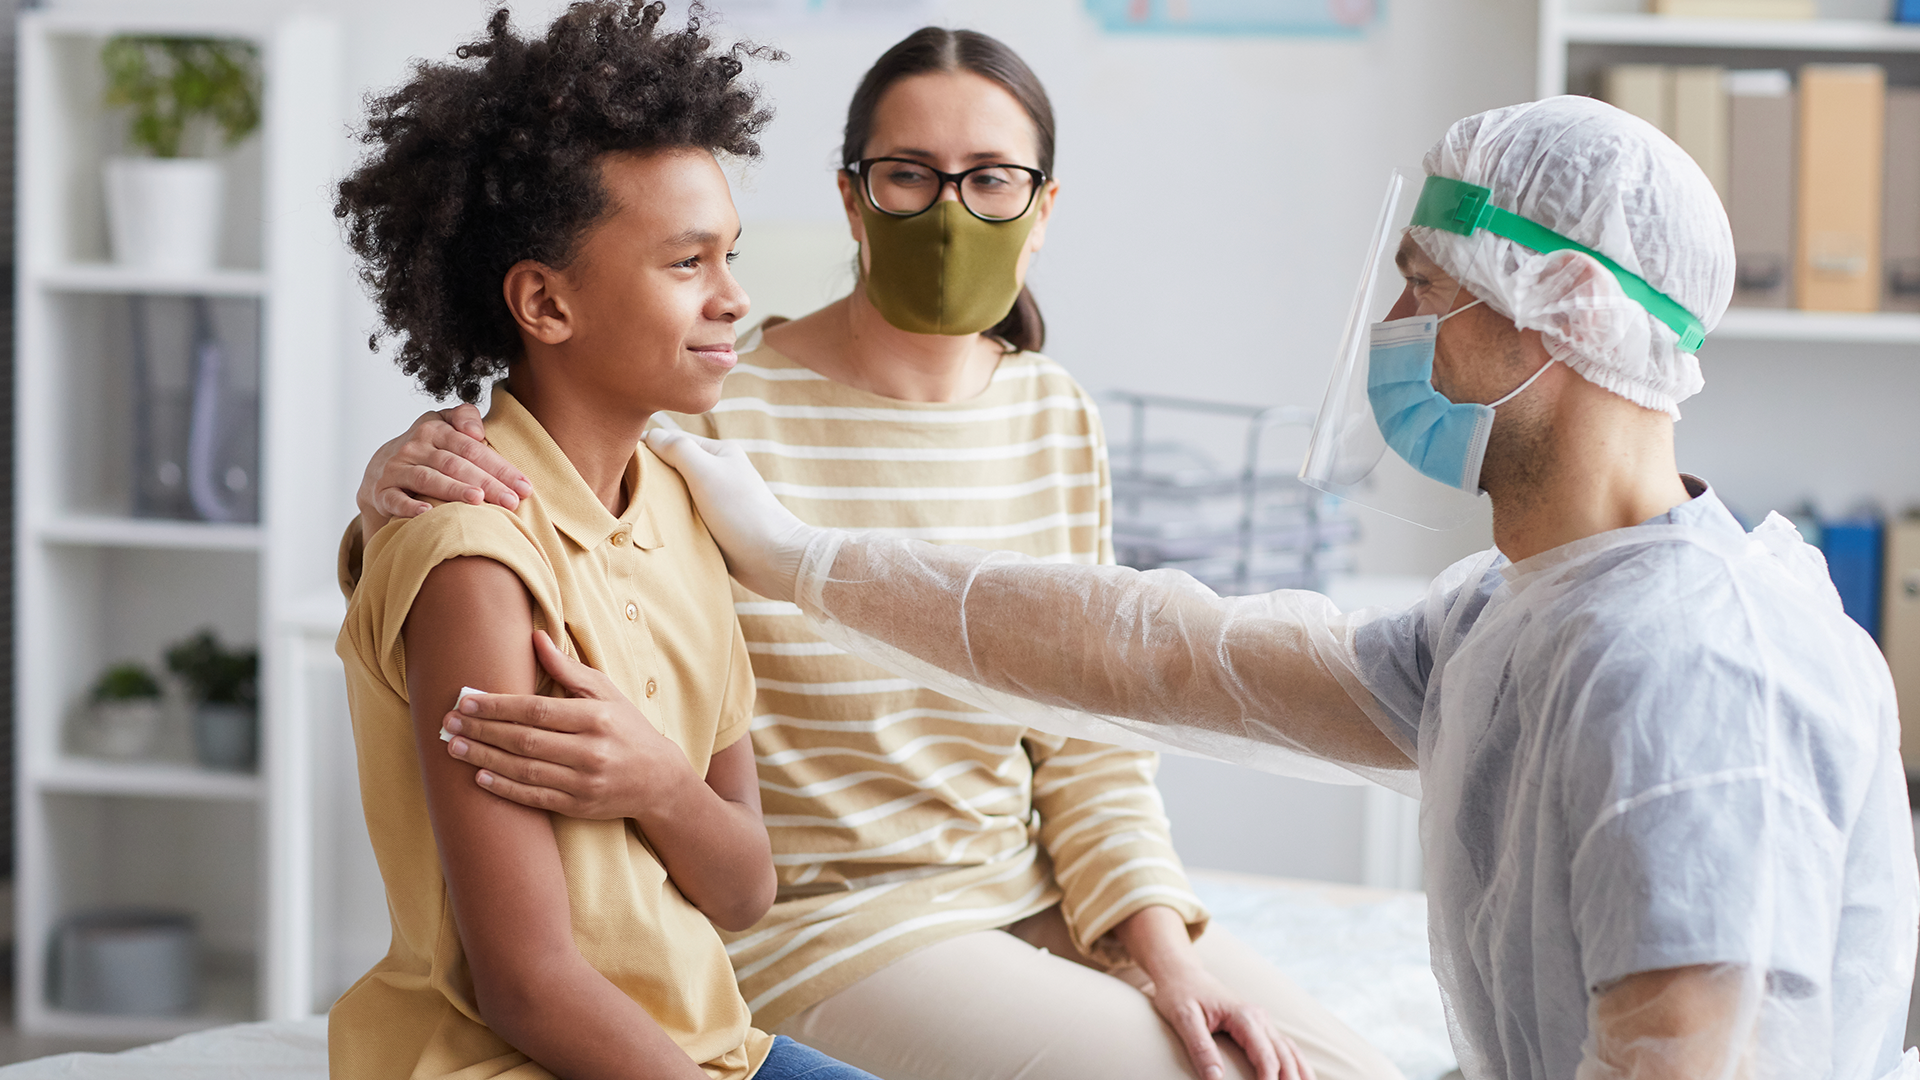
(402,554)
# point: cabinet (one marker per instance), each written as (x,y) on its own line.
(97,584)
(1580,38)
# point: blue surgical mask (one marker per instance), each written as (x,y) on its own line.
(1439,437)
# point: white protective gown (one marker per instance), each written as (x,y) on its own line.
(1659,747)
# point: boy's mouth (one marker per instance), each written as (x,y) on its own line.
(721,356)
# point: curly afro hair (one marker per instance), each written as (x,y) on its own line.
(481,163)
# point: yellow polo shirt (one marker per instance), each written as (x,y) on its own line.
(644,598)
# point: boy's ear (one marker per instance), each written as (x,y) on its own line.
(536,295)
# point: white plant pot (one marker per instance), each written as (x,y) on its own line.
(164,213)
(123,729)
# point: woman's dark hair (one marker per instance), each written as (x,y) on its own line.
(935,48)
(483,162)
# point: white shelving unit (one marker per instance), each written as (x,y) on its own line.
(98,585)
(1577,38)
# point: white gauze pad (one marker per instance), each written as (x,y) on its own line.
(465,693)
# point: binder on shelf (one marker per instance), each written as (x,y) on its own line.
(1906,11)
(1700,120)
(1645,90)
(1760,186)
(1737,9)
(1900,251)
(1853,547)
(1900,629)
(1842,135)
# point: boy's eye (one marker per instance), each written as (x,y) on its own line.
(732,255)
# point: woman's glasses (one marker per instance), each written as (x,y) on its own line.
(903,188)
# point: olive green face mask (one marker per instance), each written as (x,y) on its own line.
(944,271)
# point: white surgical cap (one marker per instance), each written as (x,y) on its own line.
(1611,181)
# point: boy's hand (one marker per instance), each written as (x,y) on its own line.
(588,755)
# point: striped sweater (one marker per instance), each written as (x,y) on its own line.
(901,817)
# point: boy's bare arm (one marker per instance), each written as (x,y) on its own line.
(471,625)
(593,755)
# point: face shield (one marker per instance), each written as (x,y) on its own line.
(1385,437)
(1396,315)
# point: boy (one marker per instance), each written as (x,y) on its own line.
(551,211)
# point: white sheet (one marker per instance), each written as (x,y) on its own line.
(1361,952)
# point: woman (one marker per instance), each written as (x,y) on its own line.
(909,830)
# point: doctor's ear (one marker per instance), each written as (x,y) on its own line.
(537,296)
(1586,304)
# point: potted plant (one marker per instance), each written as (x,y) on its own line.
(124,712)
(222,686)
(185,95)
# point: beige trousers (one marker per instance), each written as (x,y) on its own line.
(991,1005)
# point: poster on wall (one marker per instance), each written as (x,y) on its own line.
(1237,17)
(840,11)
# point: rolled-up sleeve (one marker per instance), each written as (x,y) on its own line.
(1104,826)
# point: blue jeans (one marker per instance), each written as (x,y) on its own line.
(789,1060)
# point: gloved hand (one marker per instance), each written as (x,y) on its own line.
(762,540)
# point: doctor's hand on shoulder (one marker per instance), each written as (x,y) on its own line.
(763,541)
(443,456)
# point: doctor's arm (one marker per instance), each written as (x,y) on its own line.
(1105,640)
(1674,1024)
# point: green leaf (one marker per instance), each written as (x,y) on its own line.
(127,682)
(167,82)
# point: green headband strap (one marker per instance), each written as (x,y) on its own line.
(1460,207)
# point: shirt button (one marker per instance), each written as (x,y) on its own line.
(652,687)
(632,613)
(619,539)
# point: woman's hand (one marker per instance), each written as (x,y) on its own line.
(762,540)
(443,456)
(1196,1005)
(588,755)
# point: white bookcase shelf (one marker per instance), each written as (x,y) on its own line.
(1841,35)
(1610,36)
(108,278)
(1780,324)
(98,584)
(86,776)
(126,532)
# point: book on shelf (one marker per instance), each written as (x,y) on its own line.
(1855,552)
(1645,90)
(1841,146)
(1736,9)
(1759,194)
(1900,250)
(1900,627)
(1819,172)
(1699,120)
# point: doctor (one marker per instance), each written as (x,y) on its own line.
(1664,822)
